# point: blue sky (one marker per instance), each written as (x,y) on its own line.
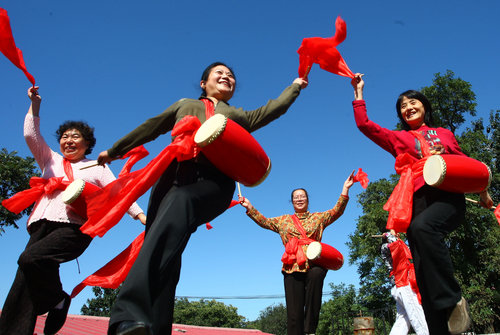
(115,64)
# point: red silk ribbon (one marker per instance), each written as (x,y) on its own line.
(362,178)
(114,272)
(8,46)
(323,52)
(108,205)
(133,156)
(400,202)
(38,188)
(403,269)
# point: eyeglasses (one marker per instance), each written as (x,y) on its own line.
(303,197)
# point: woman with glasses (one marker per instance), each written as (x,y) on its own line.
(303,279)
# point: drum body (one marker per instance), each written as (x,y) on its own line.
(455,173)
(324,255)
(233,150)
(75,196)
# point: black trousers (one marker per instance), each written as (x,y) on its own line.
(37,287)
(436,213)
(303,293)
(187,195)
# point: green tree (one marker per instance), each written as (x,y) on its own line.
(272,320)
(207,313)
(15,173)
(474,245)
(451,99)
(102,303)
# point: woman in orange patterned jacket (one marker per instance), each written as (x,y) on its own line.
(303,280)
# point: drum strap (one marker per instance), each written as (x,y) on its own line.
(209,108)
(299,227)
(426,151)
(68,169)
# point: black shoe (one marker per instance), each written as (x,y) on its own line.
(56,317)
(133,328)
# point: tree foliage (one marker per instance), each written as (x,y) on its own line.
(474,245)
(272,320)
(102,303)
(15,174)
(451,99)
(208,313)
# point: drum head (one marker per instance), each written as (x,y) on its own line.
(313,250)
(434,170)
(210,130)
(73,191)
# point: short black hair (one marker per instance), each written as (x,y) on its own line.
(412,94)
(86,131)
(208,69)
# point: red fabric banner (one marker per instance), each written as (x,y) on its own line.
(114,272)
(8,46)
(323,52)
(362,178)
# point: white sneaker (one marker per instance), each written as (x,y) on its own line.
(459,320)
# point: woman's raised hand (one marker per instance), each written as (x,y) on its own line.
(245,202)
(302,82)
(358,84)
(348,183)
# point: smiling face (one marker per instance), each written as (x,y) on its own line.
(73,145)
(413,112)
(300,201)
(220,83)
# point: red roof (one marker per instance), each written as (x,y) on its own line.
(98,325)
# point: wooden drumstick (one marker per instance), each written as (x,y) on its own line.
(307,71)
(89,166)
(477,202)
(377,235)
(239,189)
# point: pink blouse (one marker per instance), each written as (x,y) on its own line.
(51,207)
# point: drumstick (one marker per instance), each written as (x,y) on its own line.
(377,235)
(307,71)
(477,202)
(239,189)
(89,166)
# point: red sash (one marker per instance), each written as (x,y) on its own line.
(293,248)
(400,202)
(39,187)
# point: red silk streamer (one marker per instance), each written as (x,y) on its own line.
(323,52)
(38,188)
(133,156)
(108,205)
(8,46)
(114,272)
(403,269)
(362,178)
(400,202)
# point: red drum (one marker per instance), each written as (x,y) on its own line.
(325,255)
(75,196)
(455,173)
(233,150)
